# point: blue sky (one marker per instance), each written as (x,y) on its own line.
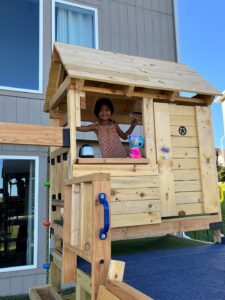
(201,38)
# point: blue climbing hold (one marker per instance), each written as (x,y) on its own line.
(46,266)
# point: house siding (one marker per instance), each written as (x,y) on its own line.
(136,27)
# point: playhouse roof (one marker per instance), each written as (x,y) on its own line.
(125,70)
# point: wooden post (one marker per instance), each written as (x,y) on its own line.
(71,111)
(74,120)
(69,258)
(149,128)
(217,236)
(55,276)
(101,249)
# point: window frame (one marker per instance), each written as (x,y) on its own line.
(40,60)
(95,10)
(35,252)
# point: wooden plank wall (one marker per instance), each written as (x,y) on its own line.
(134,192)
(187,173)
(135,200)
(186,168)
(207,160)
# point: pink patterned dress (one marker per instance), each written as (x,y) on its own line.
(109,141)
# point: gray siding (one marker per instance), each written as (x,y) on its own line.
(136,27)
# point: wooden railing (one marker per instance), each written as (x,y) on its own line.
(83,219)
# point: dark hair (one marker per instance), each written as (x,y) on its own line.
(100,103)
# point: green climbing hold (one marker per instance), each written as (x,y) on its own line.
(47,184)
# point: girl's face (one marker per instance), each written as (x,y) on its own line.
(105,113)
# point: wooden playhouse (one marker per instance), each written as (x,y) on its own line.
(172,188)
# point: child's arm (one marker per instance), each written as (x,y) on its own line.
(124,135)
(88,128)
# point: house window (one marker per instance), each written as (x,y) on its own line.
(21,46)
(75,24)
(18,212)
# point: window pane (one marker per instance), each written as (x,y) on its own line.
(19,44)
(74,25)
(17,203)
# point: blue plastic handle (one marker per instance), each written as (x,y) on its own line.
(103,231)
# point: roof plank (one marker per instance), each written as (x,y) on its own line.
(128,71)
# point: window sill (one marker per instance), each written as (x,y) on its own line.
(113,161)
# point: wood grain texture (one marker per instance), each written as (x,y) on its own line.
(101,249)
(167,226)
(115,170)
(135,182)
(134,219)
(133,207)
(135,194)
(166,175)
(116,270)
(207,160)
(149,128)
(98,65)
(71,107)
(21,134)
(125,291)
(104,294)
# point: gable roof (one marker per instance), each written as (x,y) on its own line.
(120,69)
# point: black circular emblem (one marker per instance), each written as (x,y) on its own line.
(182,130)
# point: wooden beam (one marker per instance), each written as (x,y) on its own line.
(129,91)
(172,95)
(149,129)
(24,134)
(59,94)
(142,94)
(84,281)
(69,256)
(124,291)
(104,294)
(55,56)
(71,108)
(88,178)
(79,96)
(78,252)
(113,161)
(80,84)
(59,76)
(217,236)
(59,151)
(207,98)
(166,227)
(101,249)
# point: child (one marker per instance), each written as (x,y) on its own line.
(107,130)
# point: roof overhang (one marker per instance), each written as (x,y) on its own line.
(132,74)
(220,99)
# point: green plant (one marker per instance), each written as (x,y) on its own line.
(221,173)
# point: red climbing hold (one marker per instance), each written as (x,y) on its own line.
(46,223)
